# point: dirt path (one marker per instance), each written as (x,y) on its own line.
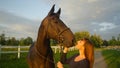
(99,60)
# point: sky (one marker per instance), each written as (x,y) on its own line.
(22,18)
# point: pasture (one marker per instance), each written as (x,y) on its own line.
(112,58)
(11,60)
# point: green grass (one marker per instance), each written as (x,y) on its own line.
(11,60)
(70,53)
(112,58)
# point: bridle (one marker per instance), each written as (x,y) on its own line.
(59,35)
(60,38)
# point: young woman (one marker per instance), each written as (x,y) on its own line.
(84,59)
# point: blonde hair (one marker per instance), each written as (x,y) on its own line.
(89,51)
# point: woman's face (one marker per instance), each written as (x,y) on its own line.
(80,44)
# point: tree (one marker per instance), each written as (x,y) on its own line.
(12,41)
(21,42)
(115,40)
(118,40)
(28,41)
(105,43)
(97,41)
(82,34)
(2,39)
(112,41)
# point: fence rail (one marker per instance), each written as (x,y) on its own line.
(19,49)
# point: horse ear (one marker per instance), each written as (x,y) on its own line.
(52,10)
(59,11)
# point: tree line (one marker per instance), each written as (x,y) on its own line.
(96,39)
(14,42)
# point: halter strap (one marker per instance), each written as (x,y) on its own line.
(63,31)
(61,37)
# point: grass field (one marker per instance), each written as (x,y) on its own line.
(112,58)
(11,60)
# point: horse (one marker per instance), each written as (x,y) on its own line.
(40,54)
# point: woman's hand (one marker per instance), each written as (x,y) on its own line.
(65,50)
(59,64)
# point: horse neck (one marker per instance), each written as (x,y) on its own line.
(42,43)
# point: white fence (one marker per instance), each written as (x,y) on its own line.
(18,51)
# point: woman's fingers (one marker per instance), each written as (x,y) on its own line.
(59,65)
(65,50)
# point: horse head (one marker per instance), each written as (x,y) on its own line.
(56,29)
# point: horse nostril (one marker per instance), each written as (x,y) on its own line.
(73,41)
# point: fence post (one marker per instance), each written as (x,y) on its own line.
(0,51)
(18,51)
(55,49)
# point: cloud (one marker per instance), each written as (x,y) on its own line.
(17,26)
(96,16)
(105,26)
(81,14)
(90,1)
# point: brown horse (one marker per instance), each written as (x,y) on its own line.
(40,54)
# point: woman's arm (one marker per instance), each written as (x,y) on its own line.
(64,56)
